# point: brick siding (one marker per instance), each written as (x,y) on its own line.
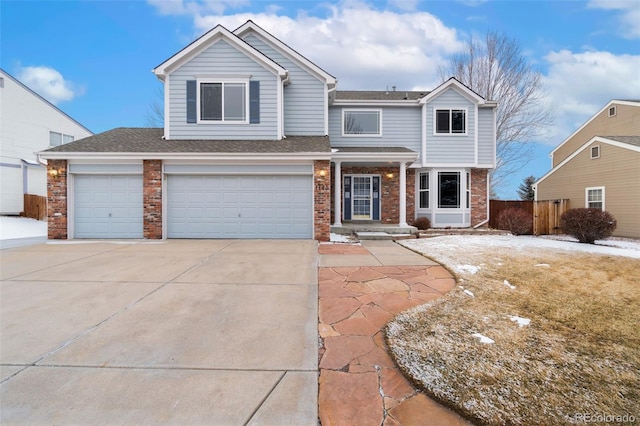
(322,200)
(152,199)
(479,201)
(57,200)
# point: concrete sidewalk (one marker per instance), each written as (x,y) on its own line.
(173,332)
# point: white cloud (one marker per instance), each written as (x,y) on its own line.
(48,83)
(629,17)
(408,5)
(348,41)
(580,84)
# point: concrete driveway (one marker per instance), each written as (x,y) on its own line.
(181,332)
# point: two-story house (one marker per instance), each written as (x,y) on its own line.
(28,124)
(258,143)
(598,166)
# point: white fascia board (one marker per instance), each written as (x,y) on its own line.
(459,165)
(272,156)
(382,103)
(593,117)
(166,110)
(286,51)
(461,88)
(594,139)
(210,38)
(364,157)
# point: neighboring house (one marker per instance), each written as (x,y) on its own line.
(258,143)
(28,124)
(599,166)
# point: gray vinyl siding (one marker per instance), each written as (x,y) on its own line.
(400,127)
(486,136)
(451,149)
(304,96)
(222,58)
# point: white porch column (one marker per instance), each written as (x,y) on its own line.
(403,194)
(337,190)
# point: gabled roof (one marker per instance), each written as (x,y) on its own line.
(594,116)
(461,88)
(208,39)
(285,49)
(134,142)
(19,83)
(631,143)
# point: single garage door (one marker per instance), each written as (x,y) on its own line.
(260,206)
(108,206)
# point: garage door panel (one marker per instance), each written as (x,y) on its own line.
(241,206)
(108,206)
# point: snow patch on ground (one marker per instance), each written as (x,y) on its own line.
(521,321)
(470,293)
(12,227)
(340,238)
(508,284)
(469,269)
(483,339)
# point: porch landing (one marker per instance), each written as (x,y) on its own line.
(375,231)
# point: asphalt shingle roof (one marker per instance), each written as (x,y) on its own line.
(143,140)
(631,140)
(381,95)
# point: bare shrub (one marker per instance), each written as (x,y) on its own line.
(517,221)
(422,223)
(588,225)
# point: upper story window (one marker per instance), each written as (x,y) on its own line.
(361,122)
(451,121)
(595,152)
(594,198)
(612,111)
(223,101)
(56,139)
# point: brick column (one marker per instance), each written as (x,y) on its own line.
(322,200)
(57,199)
(152,199)
(411,195)
(479,201)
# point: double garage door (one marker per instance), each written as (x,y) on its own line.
(197,206)
(259,206)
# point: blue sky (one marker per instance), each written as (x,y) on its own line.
(93,59)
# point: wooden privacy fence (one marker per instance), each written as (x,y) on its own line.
(546,216)
(498,206)
(35,206)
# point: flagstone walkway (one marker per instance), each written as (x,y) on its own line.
(361,288)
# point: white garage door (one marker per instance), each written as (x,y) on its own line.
(240,206)
(108,206)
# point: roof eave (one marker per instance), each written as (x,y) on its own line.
(264,156)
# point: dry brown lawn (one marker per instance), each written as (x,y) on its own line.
(579,358)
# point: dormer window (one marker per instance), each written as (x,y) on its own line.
(223,101)
(451,121)
(612,111)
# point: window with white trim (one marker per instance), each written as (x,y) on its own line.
(468,189)
(595,151)
(612,111)
(594,198)
(423,190)
(449,190)
(361,122)
(57,139)
(223,101)
(450,121)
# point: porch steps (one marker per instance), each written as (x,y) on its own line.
(366,235)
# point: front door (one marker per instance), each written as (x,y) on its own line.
(361,197)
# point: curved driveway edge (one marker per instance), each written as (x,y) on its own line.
(361,288)
(171,332)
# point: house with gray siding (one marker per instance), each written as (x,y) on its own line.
(259,143)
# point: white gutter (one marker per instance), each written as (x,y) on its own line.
(271,156)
